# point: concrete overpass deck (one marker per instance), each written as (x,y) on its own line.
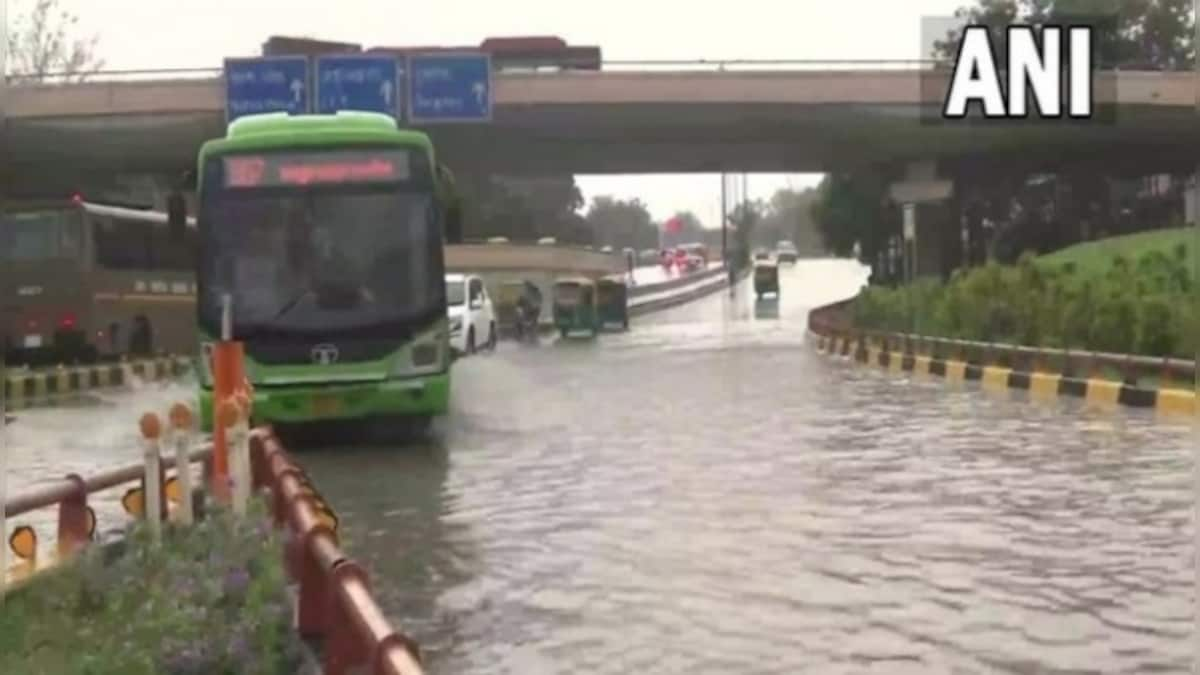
(619,122)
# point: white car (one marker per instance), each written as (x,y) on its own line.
(472,317)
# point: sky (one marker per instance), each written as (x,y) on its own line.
(145,34)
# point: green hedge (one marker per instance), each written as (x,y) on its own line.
(1145,306)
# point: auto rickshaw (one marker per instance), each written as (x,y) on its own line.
(518,307)
(766,278)
(575,306)
(612,302)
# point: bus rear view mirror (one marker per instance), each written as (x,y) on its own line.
(177,216)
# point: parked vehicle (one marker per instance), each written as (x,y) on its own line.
(471,313)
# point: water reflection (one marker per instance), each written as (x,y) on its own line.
(393,509)
(766,308)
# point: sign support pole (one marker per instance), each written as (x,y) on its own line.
(1195,251)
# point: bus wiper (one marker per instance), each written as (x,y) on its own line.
(287,307)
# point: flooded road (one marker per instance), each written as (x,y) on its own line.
(707,494)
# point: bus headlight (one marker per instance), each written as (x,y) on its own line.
(425,358)
(424,354)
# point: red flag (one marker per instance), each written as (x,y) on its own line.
(673,224)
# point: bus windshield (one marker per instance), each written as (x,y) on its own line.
(39,235)
(320,260)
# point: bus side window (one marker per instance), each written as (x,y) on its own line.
(169,252)
(122,245)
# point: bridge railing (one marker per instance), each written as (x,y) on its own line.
(834,321)
(611,65)
(616,65)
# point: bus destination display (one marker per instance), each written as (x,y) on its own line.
(298,169)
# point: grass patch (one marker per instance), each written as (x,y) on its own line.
(1095,257)
(211,600)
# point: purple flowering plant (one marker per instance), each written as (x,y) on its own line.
(211,599)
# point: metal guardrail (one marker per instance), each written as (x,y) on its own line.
(690,278)
(834,321)
(335,603)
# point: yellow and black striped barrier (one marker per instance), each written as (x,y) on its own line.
(23,389)
(1094,390)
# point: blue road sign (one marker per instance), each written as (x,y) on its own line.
(367,82)
(271,84)
(449,88)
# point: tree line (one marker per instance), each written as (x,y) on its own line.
(1003,206)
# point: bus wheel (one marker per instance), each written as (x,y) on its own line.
(471,340)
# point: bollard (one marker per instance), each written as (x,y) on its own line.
(228,376)
(181,437)
(75,519)
(228,422)
(151,428)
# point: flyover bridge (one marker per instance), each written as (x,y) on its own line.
(628,118)
(706,491)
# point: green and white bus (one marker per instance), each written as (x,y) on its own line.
(327,233)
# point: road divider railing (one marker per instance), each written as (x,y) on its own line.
(334,604)
(27,387)
(676,282)
(1141,381)
(692,287)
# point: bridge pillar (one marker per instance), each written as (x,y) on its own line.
(930,232)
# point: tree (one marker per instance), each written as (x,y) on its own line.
(1132,34)
(522,209)
(788,215)
(622,223)
(42,43)
(853,208)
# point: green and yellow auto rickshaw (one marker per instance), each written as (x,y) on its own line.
(612,302)
(766,278)
(575,306)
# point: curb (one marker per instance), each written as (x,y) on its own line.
(26,389)
(1168,401)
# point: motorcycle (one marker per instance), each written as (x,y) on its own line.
(526,323)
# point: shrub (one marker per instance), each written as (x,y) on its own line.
(211,599)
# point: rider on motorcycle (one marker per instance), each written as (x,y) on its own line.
(529,307)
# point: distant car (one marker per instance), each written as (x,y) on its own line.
(606,249)
(472,316)
(547,241)
(497,240)
(762,254)
(694,263)
(786,255)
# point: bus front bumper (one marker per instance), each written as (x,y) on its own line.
(411,396)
